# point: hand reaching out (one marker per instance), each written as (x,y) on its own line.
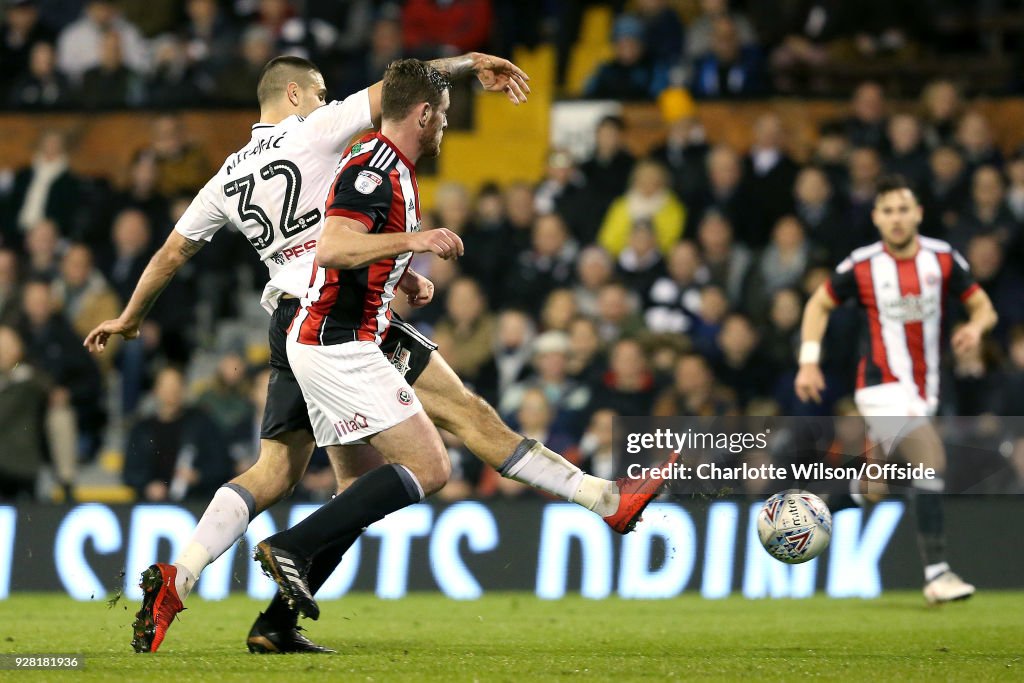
(96,340)
(497,74)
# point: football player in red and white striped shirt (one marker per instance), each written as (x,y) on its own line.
(272,190)
(902,284)
(352,391)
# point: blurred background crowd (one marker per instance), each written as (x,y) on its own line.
(156,53)
(611,284)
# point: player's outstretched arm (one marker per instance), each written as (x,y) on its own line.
(174,253)
(982,317)
(496,74)
(346,245)
(810,382)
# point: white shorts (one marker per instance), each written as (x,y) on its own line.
(892,411)
(351,390)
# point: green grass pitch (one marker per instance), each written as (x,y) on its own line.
(516,637)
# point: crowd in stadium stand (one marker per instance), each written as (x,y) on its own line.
(669,285)
(97,54)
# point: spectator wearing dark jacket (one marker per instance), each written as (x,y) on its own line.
(628,386)
(549,264)
(40,86)
(739,364)
(178,452)
(819,211)
(51,343)
(1000,277)
(606,173)
(987,212)
(729,70)
(111,84)
(866,125)
(907,155)
(685,155)
(946,192)
(20,32)
(631,74)
(976,143)
(640,263)
(770,174)
(725,194)
(672,301)
(23,399)
(663,31)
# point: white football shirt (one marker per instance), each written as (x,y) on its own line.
(273,190)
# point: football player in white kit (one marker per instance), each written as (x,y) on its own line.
(901,283)
(273,190)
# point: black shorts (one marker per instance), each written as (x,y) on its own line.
(407,349)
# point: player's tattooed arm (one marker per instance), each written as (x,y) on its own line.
(495,74)
(174,253)
(190,247)
(454,67)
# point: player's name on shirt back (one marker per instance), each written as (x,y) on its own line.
(258,147)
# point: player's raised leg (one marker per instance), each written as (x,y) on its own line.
(453,407)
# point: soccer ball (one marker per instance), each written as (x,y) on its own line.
(794,526)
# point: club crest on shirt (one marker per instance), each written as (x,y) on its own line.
(405,397)
(367,182)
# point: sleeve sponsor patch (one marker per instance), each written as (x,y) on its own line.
(367,182)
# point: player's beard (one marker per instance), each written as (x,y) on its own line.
(430,144)
(904,243)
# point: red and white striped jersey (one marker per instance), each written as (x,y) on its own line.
(904,301)
(376,185)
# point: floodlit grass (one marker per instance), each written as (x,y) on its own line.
(516,637)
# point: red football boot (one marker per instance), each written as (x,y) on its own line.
(634,496)
(160,602)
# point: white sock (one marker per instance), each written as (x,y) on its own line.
(932,571)
(599,495)
(538,466)
(223,523)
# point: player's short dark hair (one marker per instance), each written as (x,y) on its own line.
(407,83)
(279,72)
(892,183)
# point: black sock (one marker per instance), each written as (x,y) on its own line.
(367,500)
(931,527)
(320,569)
